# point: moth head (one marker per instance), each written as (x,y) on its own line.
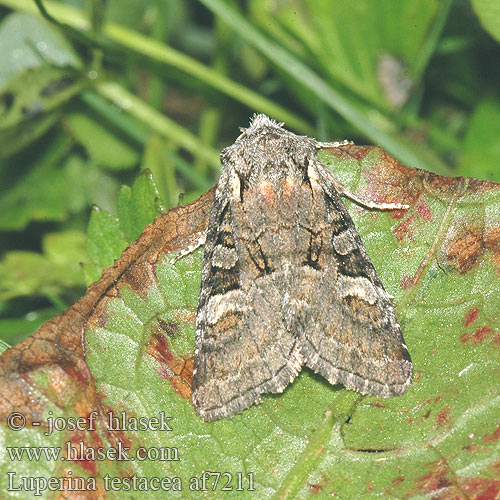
(266,149)
(259,122)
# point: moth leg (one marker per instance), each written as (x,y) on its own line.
(197,242)
(331,145)
(369,203)
(349,194)
(363,201)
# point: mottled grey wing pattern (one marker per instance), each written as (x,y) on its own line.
(244,347)
(354,338)
(286,282)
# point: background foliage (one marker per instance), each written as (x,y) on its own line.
(113,88)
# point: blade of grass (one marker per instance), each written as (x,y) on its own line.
(431,40)
(132,125)
(133,128)
(203,183)
(162,53)
(210,120)
(156,120)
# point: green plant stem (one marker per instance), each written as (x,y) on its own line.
(70,30)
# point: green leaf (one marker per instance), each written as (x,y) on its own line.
(319,438)
(138,205)
(108,235)
(440,260)
(105,243)
(30,104)
(48,273)
(104,146)
(53,189)
(481,149)
(488,12)
(29,42)
(37,195)
(38,73)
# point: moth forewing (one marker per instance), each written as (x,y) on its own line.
(287,282)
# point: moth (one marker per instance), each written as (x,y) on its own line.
(287,282)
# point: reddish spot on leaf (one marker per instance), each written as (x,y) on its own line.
(478,336)
(356,152)
(434,480)
(443,416)
(178,370)
(424,210)
(440,484)
(80,374)
(465,249)
(406,281)
(496,340)
(404,229)
(163,348)
(480,488)
(398,214)
(473,448)
(379,404)
(471,316)
(95,440)
(315,488)
(369,486)
(397,480)
(494,436)
(464,338)
(115,434)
